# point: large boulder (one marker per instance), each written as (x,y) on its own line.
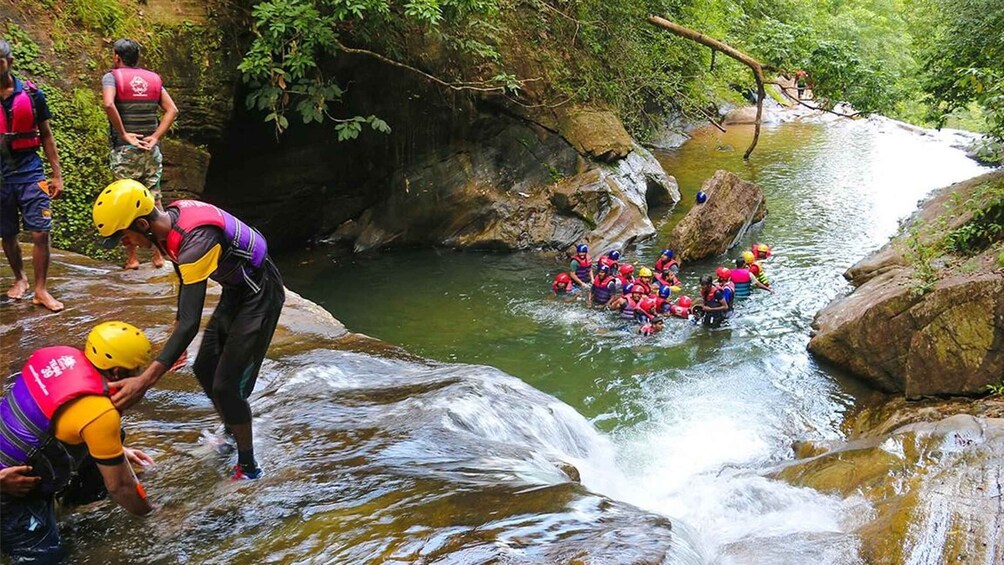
(904,334)
(949,341)
(711,228)
(930,474)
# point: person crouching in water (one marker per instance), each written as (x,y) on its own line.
(603,287)
(652,327)
(630,303)
(668,278)
(61,435)
(713,309)
(645,279)
(563,287)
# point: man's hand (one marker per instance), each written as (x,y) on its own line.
(55,187)
(17,481)
(137,457)
(134,140)
(149,142)
(127,392)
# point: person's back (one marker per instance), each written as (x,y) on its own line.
(743,280)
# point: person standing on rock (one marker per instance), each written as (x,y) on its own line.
(204,242)
(61,436)
(131,98)
(25,195)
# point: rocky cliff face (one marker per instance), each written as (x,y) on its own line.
(711,228)
(457,170)
(922,326)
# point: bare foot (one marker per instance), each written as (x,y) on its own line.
(158,259)
(43,298)
(17,291)
(131,264)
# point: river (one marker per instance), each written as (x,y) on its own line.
(469,457)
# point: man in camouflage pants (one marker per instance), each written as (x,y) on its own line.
(131,97)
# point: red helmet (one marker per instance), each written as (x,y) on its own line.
(761,250)
(684,301)
(724,273)
(627,269)
(637,288)
(563,278)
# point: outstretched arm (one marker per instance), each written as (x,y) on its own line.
(191,298)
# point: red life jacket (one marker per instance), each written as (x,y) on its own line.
(679,311)
(647,288)
(661,264)
(137,97)
(624,281)
(19,130)
(59,374)
(648,306)
(670,280)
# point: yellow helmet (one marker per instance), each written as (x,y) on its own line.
(119,204)
(748,257)
(644,272)
(117,344)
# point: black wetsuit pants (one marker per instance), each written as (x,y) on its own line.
(235,341)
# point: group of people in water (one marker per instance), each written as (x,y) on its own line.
(645,295)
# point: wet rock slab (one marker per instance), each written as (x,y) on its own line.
(932,472)
(712,228)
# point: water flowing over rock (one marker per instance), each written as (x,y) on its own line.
(371,455)
(947,341)
(712,228)
(933,476)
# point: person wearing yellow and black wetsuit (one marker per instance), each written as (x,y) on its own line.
(204,242)
(61,436)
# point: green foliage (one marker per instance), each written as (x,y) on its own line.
(104,16)
(963,58)
(996,389)
(921,256)
(293,38)
(987,223)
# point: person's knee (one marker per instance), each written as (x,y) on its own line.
(40,237)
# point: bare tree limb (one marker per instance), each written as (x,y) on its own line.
(482,86)
(736,54)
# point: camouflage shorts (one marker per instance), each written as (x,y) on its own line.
(130,162)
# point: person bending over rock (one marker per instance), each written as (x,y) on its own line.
(204,242)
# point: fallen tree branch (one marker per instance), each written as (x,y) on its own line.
(736,54)
(482,86)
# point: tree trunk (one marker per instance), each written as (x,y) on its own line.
(736,54)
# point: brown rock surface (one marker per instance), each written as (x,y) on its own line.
(947,341)
(711,228)
(597,134)
(933,477)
